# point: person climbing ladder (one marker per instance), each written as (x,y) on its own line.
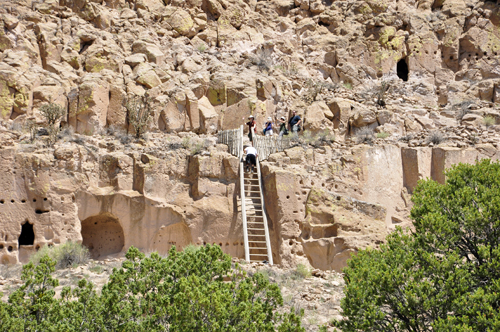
(251,158)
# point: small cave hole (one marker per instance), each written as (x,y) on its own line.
(287,197)
(45,199)
(451,57)
(34,200)
(220,245)
(1,246)
(12,201)
(37,247)
(27,236)
(85,45)
(39,211)
(301,182)
(2,201)
(204,243)
(336,186)
(402,70)
(23,201)
(10,248)
(323,24)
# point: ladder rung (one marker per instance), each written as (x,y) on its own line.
(265,255)
(259,235)
(255,210)
(256,241)
(252,191)
(255,229)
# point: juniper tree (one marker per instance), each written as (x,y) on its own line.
(194,290)
(442,276)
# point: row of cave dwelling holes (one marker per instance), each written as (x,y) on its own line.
(2,201)
(220,244)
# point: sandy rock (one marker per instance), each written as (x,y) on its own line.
(153,53)
(316,119)
(208,116)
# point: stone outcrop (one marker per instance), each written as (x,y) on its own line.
(419,82)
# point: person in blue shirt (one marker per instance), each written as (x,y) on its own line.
(295,122)
(268,127)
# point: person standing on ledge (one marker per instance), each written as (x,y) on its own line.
(252,125)
(268,127)
(251,158)
(283,130)
(295,122)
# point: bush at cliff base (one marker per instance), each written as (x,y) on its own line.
(442,276)
(194,290)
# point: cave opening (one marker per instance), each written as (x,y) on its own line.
(102,235)
(27,237)
(402,69)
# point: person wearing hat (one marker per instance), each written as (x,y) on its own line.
(283,130)
(268,127)
(252,126)
(295,122)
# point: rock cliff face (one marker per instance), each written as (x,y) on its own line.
(417,72)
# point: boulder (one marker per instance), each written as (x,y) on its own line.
(152,52)
(90,113)
(208,116)
(315,119)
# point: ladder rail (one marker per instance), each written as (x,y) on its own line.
(266,228)
(242,196)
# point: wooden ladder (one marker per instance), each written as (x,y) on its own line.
(255,229)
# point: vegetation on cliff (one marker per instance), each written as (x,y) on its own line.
(442,276)
(194,290)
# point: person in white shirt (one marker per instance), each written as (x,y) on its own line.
(251,158)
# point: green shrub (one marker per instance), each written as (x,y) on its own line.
(202,48)
(193,290)
(383,134)
(489,121)
(66,255)
(303,271)
(52,113)
(444,275)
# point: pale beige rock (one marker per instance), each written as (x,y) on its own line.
(90,113)
(208,116)
(315,119)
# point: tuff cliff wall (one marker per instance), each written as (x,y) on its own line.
(409,70)
(323,203)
